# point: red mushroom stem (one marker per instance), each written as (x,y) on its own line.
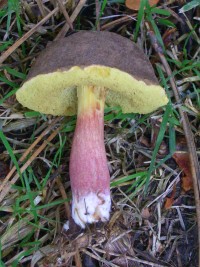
(89,174)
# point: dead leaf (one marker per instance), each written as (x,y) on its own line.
(145,141)
(181,144)
(169,36)
(135,4)
(181,156)
(170,200)
(182,159)
(122,261)
(187,183)
(155,129)
(145,213)
(119,242)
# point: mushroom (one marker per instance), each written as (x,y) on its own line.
(135,5)
(78,75)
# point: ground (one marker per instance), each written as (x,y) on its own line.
(152,158)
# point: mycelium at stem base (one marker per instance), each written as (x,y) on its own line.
(89,174)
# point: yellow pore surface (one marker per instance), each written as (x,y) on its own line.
(56,93)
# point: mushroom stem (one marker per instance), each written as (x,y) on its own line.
(89,174)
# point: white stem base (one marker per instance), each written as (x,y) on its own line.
(91,208)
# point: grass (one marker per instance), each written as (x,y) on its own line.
(33,212)
(10,151)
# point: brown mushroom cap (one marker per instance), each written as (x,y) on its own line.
(91,58)
(135,5)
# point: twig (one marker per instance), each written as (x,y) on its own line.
(65,28)
(41,7)
(64,11)
(11,49)
(77,259)
(135,259)
(64,195)
(97,5)
(114,23)
(7,187)
(98,258)
(9,175)
(186,127)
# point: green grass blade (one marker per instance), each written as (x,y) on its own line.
(166,22)
(52,204)
(103,7)
(189,6)
(156,30)
(30,196)
(15,73)
(158,142)
(140,16)
(6,81)
(10,152)
(160,11)
(12,92)
(5,45)
(119,181)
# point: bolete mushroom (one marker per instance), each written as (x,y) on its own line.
(78,74)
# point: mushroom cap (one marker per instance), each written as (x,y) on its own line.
(102,59)
(135,5)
